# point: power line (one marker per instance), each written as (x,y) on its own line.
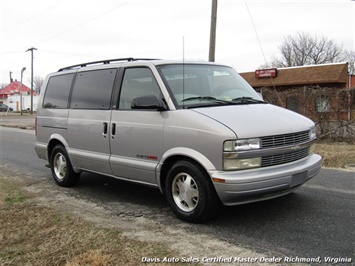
(70,29)
(256,32)
(82,24)
(31,18)
(262,51)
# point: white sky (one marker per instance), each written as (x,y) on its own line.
(68,32)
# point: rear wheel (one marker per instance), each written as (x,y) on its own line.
(61,168)
(190,192)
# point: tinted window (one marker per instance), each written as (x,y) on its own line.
(93,89)
(137,82)
(57,92)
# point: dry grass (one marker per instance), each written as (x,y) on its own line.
(36,235)
(336,155)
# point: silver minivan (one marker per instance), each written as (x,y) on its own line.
(196,131)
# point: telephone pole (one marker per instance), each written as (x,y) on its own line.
(212,50)
(31,49)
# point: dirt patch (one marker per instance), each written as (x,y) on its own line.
(41,225)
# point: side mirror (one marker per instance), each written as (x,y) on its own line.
(150,102)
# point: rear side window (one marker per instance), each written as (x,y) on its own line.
(93,89)
(57,92)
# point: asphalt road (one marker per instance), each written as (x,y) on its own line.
(316,220)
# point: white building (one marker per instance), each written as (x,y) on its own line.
(14,101)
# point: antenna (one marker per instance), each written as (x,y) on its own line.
(183,72)
(183,49)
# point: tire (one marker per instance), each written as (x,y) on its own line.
(61,168)
(190,192)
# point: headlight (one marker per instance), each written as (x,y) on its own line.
(242,145)
(239,164)
(234,146)
(312,133)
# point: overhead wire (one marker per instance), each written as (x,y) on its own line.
(256,32)
(31,18)
(70,29)
(262,51)
(82,24)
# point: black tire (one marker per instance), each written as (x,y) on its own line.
(62,170)
(190,192)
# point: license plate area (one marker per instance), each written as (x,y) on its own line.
(298,179)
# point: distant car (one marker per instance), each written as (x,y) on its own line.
(4,107)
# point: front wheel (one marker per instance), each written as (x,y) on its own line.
(61,168)
(190,192)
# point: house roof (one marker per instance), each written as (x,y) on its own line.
(14,88)
(304,75)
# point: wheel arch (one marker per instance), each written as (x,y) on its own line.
(55,140)
(181,154)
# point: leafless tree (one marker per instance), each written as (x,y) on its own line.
(332,112)
(305,49)
(37,83)
(349,57)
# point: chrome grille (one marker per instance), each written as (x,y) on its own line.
(282,158)
(284,140)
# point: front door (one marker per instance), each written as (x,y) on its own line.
(136,135)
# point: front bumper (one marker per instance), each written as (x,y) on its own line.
(259,184)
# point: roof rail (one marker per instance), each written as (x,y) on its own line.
(105,62)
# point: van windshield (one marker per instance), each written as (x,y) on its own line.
(196,85)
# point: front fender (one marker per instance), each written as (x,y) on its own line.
(185,153)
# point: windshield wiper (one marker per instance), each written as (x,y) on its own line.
(246,100)
(239,100)
(206,98)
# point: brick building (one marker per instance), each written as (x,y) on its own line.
(320,92)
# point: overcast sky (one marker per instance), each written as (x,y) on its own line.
(71,32)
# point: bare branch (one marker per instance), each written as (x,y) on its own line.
(304,49)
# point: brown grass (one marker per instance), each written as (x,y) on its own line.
(336,155)
(37,235)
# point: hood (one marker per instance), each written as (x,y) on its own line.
(257,120)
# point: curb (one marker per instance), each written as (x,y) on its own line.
(27,127)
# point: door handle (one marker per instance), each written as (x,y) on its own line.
(113,130)
(104,133)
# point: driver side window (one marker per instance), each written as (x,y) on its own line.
(137,82)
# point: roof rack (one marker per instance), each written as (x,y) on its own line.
(105,62)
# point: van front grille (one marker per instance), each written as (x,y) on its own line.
(284,140)
(282,158)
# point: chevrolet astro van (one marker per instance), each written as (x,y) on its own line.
(196,131)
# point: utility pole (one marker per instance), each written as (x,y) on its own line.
(31,49)
(22,70)
(211,56)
